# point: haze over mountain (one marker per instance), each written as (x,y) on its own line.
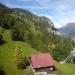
(68,30)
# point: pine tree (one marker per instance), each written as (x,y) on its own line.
(20,58)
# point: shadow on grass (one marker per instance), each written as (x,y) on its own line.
(2,42)
(2,72)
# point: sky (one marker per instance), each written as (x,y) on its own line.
(60,12)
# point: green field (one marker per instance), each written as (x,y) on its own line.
(65,69)
(7,58)
(7,55)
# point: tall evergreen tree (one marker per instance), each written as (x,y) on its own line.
(19,57)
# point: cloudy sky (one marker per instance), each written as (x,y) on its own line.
(59,11)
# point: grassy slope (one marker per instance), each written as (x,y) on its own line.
(7,52)
(65,69)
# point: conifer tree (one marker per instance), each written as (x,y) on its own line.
(21,61)
(19,57)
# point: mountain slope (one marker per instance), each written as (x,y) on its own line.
(26,26)
(7,59)
(18,26)
(35,30)
(68,29)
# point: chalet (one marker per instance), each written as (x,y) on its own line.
(42,62)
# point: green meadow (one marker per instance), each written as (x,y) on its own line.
(7,58)
(7,55)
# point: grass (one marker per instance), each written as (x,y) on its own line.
(7,52)
(7,59)
(65,69)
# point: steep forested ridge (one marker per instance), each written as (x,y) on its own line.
(27,27)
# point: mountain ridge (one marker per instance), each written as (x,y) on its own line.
(38,31)
(68,29)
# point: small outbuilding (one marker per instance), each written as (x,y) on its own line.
(42,62)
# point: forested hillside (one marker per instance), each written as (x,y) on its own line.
(35,30)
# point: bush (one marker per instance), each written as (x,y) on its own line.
(21,66)
(1,40)
(26,61)
(24,64)
(16,36)
(2,72)
(21,61)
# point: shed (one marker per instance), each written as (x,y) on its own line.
(42,62)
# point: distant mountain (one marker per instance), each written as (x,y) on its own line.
(68,30)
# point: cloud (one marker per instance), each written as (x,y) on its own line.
(44,3)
